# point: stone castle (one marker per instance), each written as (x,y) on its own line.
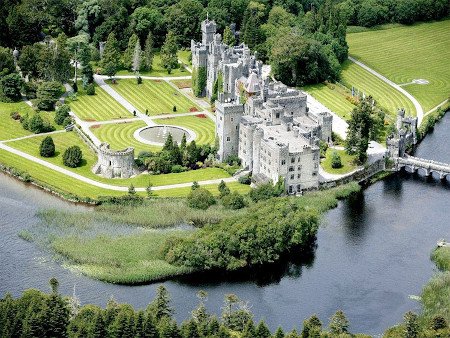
(404,137)
(265,123)
(114,164)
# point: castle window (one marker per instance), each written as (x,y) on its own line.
(237,127)
(292,176)
(298,188)
(283,162)
(290,189)
(299,168)
(228,138)
(110,163)
(298,176)
(291,168)
(315,157)
(221,118)
(314,174)
(292,113)
(292,159)
(232,119)
(277,115)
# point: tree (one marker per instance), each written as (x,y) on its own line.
(36,124)
(61,114)
(150,330)
(311,327)
(87,75)
(262,331)
(200,198)
(6,61)
(56,313)
(148,189)
(47,94)
(137,58)
(168,144)
(145,20)
(131,189)
(249,330)
(78,48)
(111,56)
(169,58)
(29,59)
(228,37)
(223,189)
(99,328)
(160,307)
(129,52)
(336,161)
(279,333)
(233,201)
(411,325)
(72,157)
(183,20)
(10,86)
(148,52)
(47,147)
(339,323)
(254,16)
(195,185)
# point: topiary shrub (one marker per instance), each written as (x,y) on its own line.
(200,198)
(90,89)
(47,147)
(336,161)
(61,114)
(139,80)
(72,157)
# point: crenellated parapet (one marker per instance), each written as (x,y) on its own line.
(112,164)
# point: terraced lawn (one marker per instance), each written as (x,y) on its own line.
(98,107)
(385,95)
(120,136)
(159,97)
(203,127)
(405,53)
(333,97)
(158,70)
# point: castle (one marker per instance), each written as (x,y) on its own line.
(265,123)
(404,137)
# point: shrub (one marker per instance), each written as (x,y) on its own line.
(131,189)
(90,89)
(174,109)
(47,94)
(246,179)
(200,198)
(30,89)
(178,169)
(72,157)
(37,125)
(266,191)
(139,80)
(233,201)
(47,147)
(10,86)
(233,160)
(223,189)
(336,161)
(75,87)
(15,115)
(67,121)
(61,114)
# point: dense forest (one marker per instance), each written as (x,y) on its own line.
(303,40)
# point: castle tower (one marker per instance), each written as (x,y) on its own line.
(208,30)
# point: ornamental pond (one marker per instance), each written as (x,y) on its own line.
(372,256)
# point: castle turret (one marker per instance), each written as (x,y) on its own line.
(208,30)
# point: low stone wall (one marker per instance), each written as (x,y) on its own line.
(86,139)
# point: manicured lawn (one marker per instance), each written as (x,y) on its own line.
(10,129)
(346,159)
(333,97)
(159,97)
(385,95)
(405,53)
(202,126)
(98,107)
(120,136)
(157,70)
(183,56)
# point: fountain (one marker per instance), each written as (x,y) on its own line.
(157,135)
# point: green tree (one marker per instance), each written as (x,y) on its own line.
(78,48)
(47,94)
(36,124)
(131,189)
(47,147)
(56,313)
(338,323)
(169,58)
(223,189)
(311,327)
(168,143)
(72,157)
(411,325)
(6,61)
(262,331)
(111,56)
(279,333)
(195,185)
(254,16)
(129,52)
(183,20)
(228,37)
(160,307)
(145,20)
(87,75)
(336,161)
(233,201)
(150,330)
(98,329)
(61,114)
(10,87)
(249,330)
(148,52)
(29,59)
(200,198)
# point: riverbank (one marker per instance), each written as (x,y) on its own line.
(123,244)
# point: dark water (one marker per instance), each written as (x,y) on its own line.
(372,254)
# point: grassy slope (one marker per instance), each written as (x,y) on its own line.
(385,95)
(333,99)
(203,127)
(120,136)
(10,128)
(347,162)
(158,97)
(98,107)
(404,53)
(158,70)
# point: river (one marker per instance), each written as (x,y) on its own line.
(372,254)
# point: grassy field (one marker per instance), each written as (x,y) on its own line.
(158,70)
(183,56)
(346,159)
(405,53)
(120,136)
(202,126)
(10,128)
(159,97)
(98,107)
(385,95)
(333,97)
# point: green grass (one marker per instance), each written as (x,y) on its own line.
(183,192)
(98,107)
(124,259)
(333,97)
(159,97)
(346,159)
(10,129)
(120,136)
(386,96)
(204,128)
(404,53)
(183,56)
(158,70)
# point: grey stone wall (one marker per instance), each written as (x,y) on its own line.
(112,164)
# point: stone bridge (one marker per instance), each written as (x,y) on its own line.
(414,164)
